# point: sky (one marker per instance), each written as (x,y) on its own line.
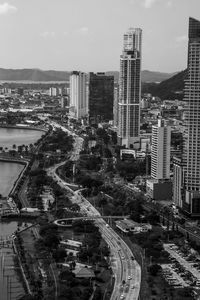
(87,35)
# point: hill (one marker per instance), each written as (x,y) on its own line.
(33,75)
(50,75)
(171,88)
(149,76)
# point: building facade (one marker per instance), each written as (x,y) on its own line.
(78,95)
(130,89)
(115,106)
(160,151)
(191,158)
(100,97)
(159,190)
(53,91)
(177,181)
(159,187)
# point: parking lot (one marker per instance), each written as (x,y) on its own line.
(182,271)
(191,266)
(172,277)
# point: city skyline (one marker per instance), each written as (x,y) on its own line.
(74,33)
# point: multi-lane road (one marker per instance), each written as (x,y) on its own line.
(126,270)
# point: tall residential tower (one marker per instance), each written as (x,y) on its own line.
(191,158)
(160,151)
(78,95)
(130,89)
(159,187)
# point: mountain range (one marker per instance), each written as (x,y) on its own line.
(163,85)
(41,75)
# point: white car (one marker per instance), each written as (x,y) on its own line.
(129,277)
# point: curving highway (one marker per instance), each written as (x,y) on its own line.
(126,270)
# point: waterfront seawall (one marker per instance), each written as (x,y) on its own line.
(23,127)
(24,162)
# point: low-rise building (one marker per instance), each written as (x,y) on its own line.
(84,273)
(127,225)
(71,246)
(159,189)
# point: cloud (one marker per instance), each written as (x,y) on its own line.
(181,38)
(149,3)
(7,8)
(83,30)
(169,4)
(48,34)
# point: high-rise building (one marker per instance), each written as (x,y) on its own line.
(78,95)
(160,151)
(115,106)
(63,101)
(177,181)
(20,91)
(53,91)
(159,187)
(191,153)
(101,96)
(130,89)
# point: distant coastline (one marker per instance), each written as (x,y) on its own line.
(34,82)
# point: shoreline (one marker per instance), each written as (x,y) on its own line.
(18,161)
(23,127)
(15,184)
(15,161)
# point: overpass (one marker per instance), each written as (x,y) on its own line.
(87,218)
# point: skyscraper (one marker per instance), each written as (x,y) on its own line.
(101,96)
(191,158)
(159,187)
(130,89)
(115,106)
(78,94)
(160,151)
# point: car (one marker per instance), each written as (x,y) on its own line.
(129,277)
(122,297)
(123,257)
(195,265)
